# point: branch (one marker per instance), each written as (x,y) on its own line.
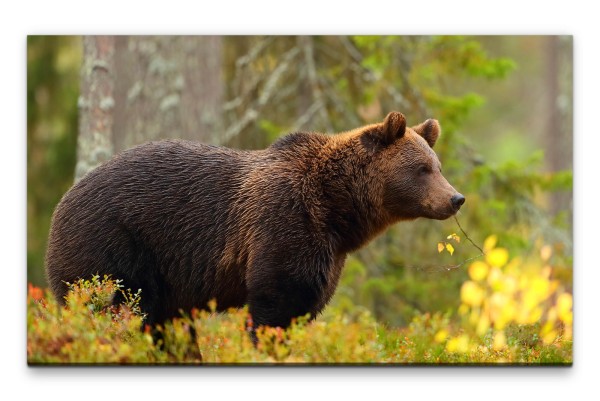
(351,49)
(368,76)
(239,101)
(276,75)
(308,50)
(252,113)
(244,61)
(305,118)
(467,236)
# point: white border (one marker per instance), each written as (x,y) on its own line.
(310,17)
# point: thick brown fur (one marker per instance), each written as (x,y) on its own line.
(188,222)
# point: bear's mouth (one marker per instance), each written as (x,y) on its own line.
(441,214)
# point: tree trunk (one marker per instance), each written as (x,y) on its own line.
(136,89)
(96,104)
(167,87)
(558,127)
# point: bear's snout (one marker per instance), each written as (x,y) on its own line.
(457,201)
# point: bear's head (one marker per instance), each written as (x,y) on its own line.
(412,181)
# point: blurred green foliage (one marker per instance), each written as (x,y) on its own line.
(53,64)
(400,274)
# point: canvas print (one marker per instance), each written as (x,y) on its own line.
(360,200)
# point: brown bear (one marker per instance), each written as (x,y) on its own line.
(188,222)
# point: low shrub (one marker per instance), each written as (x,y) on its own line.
(511,311)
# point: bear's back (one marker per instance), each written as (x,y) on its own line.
(155,182)
(153,210)
(181,219)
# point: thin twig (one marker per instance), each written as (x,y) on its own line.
(453,267)
(351,49)
(305,118)
(467,237)
(243,62)
(309,58)
(253,111)
(273,79)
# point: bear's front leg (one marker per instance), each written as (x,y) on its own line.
(291,280)
(277,300)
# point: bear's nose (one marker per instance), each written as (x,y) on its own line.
(457,201)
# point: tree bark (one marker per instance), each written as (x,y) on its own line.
(558,127)
(167,87)
(136,89)
(96,104)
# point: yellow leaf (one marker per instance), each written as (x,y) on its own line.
(471,293)
(564,302)
(507,314)
(454,237)
(494,279)
(549,337)
(441,336)
(499,341)
(490,243)
(450,248)
(482,325)
(535,315)
(564,305)
(546,328)
(541,288)
(212,305)
(474,316)
(478,270)
(458,344)
(509,284)
(440,247)
(497,257)
(452,345)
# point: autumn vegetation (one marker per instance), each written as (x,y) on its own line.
(512,311)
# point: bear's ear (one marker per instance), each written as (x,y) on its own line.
(393,127)
(429,130)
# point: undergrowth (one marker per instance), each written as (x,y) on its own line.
(511,312)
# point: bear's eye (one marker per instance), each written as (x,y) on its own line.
(423,169)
